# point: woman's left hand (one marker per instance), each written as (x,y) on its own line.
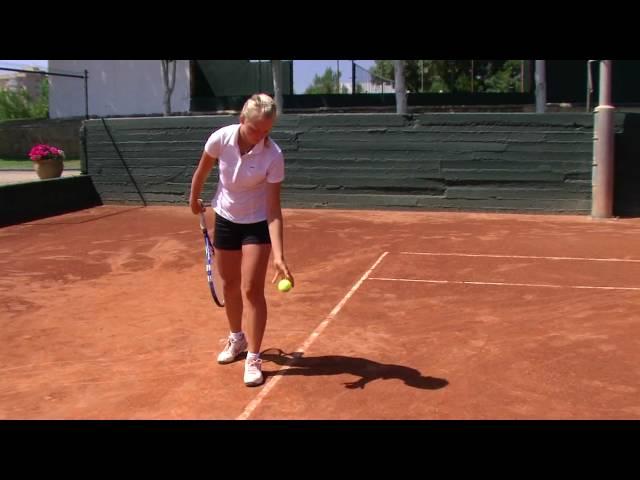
(282,271)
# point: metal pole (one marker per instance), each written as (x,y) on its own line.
(49,74)
(41,72)
(472,73)
(527,76)
(86,95)
(588,102)
(353,77)
(589,84)
(541,87)
(603,148)
(401,90)
(291,77)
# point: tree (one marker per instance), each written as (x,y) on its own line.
(276,70)
(169,78)
(19,104)
(497,76)
(429,75)
(326,83)
(360,88)
(385,69)
(451,76)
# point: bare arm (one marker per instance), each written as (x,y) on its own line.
(197,182)
(274,219)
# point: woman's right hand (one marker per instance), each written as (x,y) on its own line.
(196,206)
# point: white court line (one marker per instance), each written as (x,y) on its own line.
(502,284)
(307,343)
(522,256)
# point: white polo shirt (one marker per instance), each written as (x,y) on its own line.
(242,186)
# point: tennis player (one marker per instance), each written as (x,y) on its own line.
(248,224)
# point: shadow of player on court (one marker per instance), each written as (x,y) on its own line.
(367,370)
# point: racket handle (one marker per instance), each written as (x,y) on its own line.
(203,222)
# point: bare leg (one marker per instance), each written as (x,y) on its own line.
(228,265)
(255,259)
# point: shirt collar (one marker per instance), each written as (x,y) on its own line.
(255,150)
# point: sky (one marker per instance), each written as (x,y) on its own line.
(303,70)
(24,63)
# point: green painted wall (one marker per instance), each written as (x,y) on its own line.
(627,165)
(461,161)
(567,81)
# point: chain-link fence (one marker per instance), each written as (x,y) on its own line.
(426,76)
(364,81)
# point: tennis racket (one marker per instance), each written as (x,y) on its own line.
(216,291)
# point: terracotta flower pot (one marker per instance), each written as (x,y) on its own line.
(51,168)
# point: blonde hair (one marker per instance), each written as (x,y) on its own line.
(259,105)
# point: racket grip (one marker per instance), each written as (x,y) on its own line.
(203,222)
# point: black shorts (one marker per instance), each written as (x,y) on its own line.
(231,236)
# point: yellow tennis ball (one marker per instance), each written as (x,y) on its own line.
(284,285)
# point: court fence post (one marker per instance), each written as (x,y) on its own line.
(603,148)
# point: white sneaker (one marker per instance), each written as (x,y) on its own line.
(232,350)
(253,373)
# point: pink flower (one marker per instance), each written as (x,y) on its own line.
(45,152)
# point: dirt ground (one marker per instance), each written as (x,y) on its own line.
(106,314)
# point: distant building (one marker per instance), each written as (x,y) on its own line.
(15,81)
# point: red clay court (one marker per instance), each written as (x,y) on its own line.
(106,314)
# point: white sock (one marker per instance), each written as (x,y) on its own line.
(237,335)
(253,356)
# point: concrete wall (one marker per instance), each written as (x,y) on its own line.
(463,161)
(17,137)
(115,87)
(22,202)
